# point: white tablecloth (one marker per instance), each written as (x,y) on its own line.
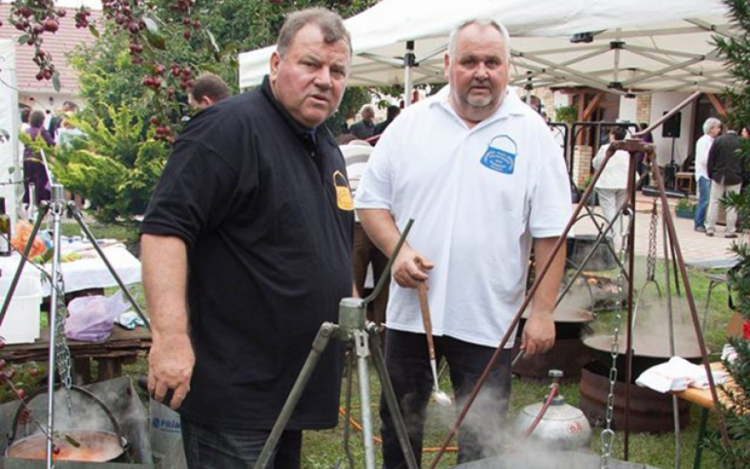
(84,274)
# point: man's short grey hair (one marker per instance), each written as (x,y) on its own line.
(710,124)
(367,110)
(480,22)
(329,23)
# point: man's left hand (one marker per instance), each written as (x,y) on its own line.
(538,333)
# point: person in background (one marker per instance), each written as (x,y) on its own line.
(25,115)
(479,172)
(611,188)
(391,113)
(246,252)
(34,169)
(725,170)
(711,129)
(640,158)
(365,128)
(68,107)
(207,90)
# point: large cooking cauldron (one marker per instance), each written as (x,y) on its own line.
(580,246)
(646,353)
(72,444)
(568,354)
(539,459)
(93,446)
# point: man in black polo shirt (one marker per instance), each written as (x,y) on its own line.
(250,230)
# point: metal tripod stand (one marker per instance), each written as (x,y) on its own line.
(354,330)
(58,350)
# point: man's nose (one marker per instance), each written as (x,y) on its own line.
(481,72)
(323,78)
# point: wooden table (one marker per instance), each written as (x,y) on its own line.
(705,400)
(122,347)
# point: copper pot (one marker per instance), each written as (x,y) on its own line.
(92,446)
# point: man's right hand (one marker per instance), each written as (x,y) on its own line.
(410,268)
(171,362)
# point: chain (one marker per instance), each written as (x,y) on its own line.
(62,352)
(607,437)
(651,258)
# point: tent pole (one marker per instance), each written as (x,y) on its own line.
(409,62)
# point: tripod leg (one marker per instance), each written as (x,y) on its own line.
(319,345)
(77,215)
(347,413)
(361,347)
(22,263)
(390,396)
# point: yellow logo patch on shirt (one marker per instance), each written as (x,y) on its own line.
(343,194)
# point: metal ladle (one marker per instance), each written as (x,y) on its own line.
(440,397)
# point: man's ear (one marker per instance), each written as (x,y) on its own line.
(447,61)
(274,65)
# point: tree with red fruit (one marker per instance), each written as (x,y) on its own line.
(145,57)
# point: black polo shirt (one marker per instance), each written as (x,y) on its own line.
(265,210)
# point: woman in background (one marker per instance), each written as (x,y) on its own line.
(34,170)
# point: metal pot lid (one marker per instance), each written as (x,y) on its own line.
(569,315)
(685,348)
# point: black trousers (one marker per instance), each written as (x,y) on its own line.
(481,434)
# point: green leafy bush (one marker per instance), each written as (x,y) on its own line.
(113,166)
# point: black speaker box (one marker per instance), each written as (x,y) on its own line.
(671,127)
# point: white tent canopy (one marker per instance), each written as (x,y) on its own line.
(637,46)
(10,168)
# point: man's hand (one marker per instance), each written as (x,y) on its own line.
(170,366)
(538,333)
(171,360)
(410,269)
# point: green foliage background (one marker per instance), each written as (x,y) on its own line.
(736,50)
(118,164)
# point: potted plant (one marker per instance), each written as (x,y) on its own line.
(684,209)
(567,114)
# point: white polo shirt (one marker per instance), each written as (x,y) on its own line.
(702,146)
(477,197)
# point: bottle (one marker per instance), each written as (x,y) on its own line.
(4,230)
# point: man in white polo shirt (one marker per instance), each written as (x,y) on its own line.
(480,174)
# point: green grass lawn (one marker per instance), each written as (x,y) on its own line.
(323,449)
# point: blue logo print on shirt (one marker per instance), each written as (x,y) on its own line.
(500,155)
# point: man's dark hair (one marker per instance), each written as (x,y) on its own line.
(36,119)
(392,112)
(70,106)
(329,23)
(25,114)
(208,84)
(619,133)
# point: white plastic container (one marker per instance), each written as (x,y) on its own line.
(22,321)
